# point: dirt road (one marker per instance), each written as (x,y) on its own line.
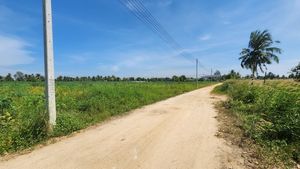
(178,133)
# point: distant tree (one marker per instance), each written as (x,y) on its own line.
(182,78)
(39,77)
(270,75)
(139,79)
(291,76)
(83,78)
(8,77)
(232,75)
(19,76)
(167,79)
(260,52)
(59,78)
(30,78)
(1,78)
(131,79)
(296,72)
(217,73)
(175,78)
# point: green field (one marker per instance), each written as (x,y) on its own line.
(270,115)
(79,105)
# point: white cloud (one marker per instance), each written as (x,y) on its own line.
(13,51)
(121,62)
(148,64)
(205,37)
(115,68)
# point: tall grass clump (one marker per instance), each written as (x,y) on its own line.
(23,120)
(270,114)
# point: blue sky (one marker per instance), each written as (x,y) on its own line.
(101,37)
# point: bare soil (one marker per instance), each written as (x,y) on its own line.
(230,129)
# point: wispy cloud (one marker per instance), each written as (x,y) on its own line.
(148,64)
(204,37)
(14,51)
(11,20)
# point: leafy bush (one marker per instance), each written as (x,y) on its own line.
(270,113)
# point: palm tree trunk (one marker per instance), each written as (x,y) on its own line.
(253,76)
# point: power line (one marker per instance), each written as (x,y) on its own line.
(137,8)
(150,22)
(153,19)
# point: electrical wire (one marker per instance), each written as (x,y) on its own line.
(137,8)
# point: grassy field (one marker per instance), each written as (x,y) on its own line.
(270,115)
(79,105)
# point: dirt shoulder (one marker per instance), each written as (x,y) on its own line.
(230,130)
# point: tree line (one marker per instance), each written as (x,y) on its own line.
(217,76)
(19,76)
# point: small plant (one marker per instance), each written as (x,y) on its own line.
(5,104)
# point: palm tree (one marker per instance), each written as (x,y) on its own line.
(260,52)
(296,72)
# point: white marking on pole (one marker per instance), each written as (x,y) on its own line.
(49,63)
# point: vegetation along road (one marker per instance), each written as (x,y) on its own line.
(175,133)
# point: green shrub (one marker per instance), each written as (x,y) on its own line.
(270,113)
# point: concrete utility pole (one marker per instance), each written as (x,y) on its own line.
(49,64)
(197,72)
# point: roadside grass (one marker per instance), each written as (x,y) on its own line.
(23,120)
(269,115)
